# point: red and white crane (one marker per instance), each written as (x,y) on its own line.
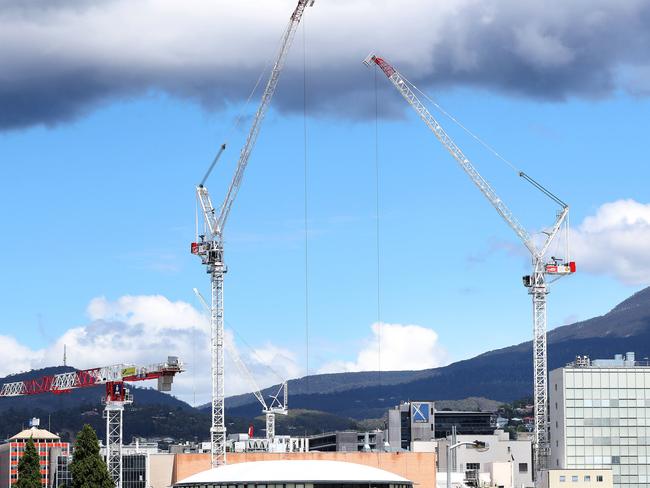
(536,282)
(116,397)
(209,246)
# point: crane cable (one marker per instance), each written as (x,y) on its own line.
(377,230)
(306,194)
(519,172)
(459,124)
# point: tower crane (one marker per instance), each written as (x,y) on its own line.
(279,403)
(210,246)
(536,282)
(116,396)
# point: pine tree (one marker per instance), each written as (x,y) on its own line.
(88,469)
(29,467)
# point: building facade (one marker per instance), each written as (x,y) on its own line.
(52,453)
(505,462)
(411,422)
(577,478)
(347,441)
(600,418)
(466,423)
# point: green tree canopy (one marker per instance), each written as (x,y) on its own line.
(29,467)
(88,469)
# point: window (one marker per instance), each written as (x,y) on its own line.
(562,479)
(599,478)
(574,478)
(476,466)
(616,459)
(523,467)
(587,478)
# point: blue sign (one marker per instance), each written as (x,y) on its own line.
(420,412)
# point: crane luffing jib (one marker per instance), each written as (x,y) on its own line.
(217,223)
(409,95)
(64,382)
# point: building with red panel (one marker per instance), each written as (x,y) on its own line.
(53,453)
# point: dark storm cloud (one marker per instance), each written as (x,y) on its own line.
(62,58)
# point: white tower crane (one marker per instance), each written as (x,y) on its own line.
(536,282)
(210,246)
(279,402)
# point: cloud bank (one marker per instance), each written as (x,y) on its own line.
(63,58)
(145,330)
(614,241)
(402,347)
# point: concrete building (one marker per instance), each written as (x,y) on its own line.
(600,418)
(505,462)
(577,478)
(298,473)
(411,422)
(53,453)
(347,441)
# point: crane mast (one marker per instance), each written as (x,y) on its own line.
(536,282)
(277,405)
(210,246)
(116,396)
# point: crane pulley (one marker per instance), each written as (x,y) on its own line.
(536,282)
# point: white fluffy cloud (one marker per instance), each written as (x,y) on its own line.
(62,58)
(403,347)
(145,330)
(615,242)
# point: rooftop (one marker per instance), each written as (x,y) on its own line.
(35,433)
(293,471)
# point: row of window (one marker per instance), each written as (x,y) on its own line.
(602,379)
(627,435)
(586,478)
(608,451)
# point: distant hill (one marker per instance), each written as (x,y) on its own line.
(504,374)
(350,400)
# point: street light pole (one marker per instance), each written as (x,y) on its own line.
(453,447)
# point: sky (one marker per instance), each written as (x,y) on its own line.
(356,242)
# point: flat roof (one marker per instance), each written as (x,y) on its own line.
(293,471)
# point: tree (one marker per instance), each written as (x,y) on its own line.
(29,467)
(88,469)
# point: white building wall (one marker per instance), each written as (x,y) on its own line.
(605,419)
(517,454)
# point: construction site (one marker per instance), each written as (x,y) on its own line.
(420,443)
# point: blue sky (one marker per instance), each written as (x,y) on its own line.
(102,205)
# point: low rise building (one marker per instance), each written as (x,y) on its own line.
(505,462)
(54,456)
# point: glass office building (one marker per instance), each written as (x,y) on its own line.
(600,418)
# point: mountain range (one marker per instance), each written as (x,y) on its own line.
(348,400)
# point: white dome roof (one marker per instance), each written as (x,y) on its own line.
(293,471)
